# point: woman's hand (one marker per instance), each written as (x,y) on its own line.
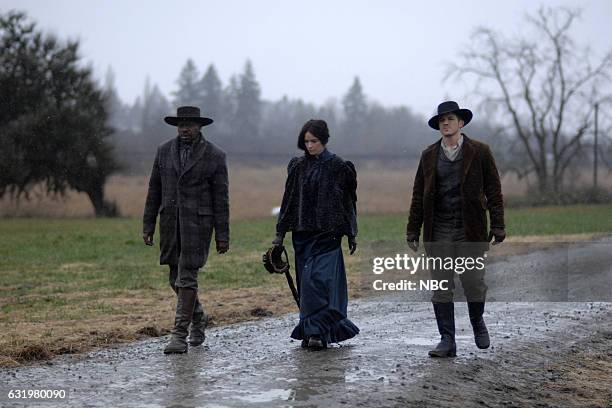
(147,237)
(278,241)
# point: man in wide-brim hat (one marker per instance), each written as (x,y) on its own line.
(455,184)
(189,189)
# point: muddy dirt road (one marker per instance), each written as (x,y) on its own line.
(546,354)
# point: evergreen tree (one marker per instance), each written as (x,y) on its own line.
(230,97)
(355,105)
(117,111)
(189,91)
(248,105)
(135,115)
(155,107)
(355,112)
(53,117)
(211,93)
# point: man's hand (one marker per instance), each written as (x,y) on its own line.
(278,241)
(147,238)
(222,247)
(413,241)
(352,243)
(499,234)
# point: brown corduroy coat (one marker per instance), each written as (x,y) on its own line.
(480,191)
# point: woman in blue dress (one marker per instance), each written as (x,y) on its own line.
(319,208)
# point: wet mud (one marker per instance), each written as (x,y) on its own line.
(535,349)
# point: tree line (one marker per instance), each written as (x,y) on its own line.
(247,125)
(61,128)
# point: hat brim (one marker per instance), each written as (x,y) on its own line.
(464,114)
(174,121)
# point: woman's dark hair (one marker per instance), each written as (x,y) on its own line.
(318,128)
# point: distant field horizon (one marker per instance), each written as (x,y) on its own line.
(254,192)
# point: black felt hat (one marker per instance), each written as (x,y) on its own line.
(450,107)
(187,113)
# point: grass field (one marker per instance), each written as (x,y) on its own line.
(380,191)
(67,285)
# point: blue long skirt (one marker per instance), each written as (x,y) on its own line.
(321,281)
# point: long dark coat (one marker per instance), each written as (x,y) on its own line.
(480,191)
(196,199)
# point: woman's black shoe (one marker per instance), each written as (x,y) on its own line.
(316,343)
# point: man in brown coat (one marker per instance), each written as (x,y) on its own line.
(456,183)
(189,189)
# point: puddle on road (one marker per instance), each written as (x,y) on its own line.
(365,375)
(419,341)
(274,394)
(289,380)
(428,341)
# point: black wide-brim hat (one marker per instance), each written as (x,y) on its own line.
(450,107)
(187,113)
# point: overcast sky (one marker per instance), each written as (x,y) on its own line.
(310,50)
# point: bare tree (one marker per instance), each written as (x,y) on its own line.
(544,86)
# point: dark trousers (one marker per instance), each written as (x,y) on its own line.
(450,242)
(181,277)
(198,310)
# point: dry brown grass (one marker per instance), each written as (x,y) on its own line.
(137,315)
(253,193)
(116,317)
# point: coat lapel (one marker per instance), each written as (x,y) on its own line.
(430,159)
(468,157)
(175,156)
(196,155)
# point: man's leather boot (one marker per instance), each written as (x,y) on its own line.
(184,311)
(481,334)
(198,322)
(198,325)
(445,317)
